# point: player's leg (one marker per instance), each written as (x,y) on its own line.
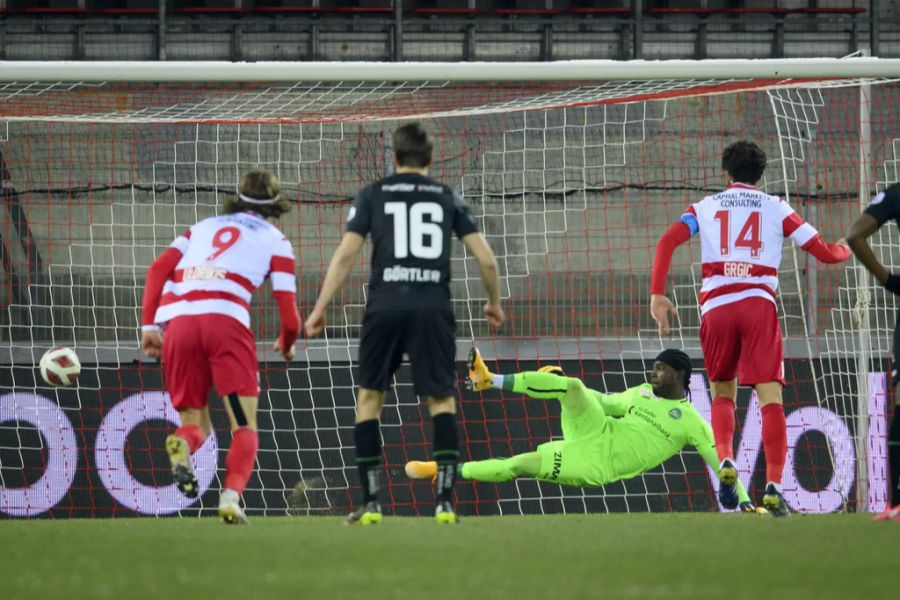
(232,356)
(721,350)
(430,341)
(188,381)
(546,383)
(241,455)
(762,366)
(367,436)
(380,352)
(893,442)
(490,470)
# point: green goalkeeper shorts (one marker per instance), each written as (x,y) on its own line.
(581,458)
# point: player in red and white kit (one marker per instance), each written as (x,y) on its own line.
(742,230)
(198,293)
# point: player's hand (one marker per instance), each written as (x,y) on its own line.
(287,354)
(842,243)
(660,309)
(494,315)
(315,322)
(151,343)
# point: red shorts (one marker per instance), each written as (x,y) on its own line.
(202,350)
(743,339)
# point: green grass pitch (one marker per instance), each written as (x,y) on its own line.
(728,557)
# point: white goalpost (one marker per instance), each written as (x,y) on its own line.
(572,169)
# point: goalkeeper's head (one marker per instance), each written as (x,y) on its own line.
(671,375)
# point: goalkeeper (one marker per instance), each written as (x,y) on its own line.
(606,437)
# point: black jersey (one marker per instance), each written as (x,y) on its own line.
(410,218)
(886,205)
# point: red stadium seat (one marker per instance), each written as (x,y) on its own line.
(600,10)
(125,12)
(697,11)
(445,10)
(293,9)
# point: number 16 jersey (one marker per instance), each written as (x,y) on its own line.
(411,219)
(742,231)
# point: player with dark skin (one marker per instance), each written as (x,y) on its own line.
(884,207)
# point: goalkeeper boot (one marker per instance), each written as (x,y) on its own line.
(773,501)
(555,369)
(367,514)
(230,508)
(444,513)
(479,376)
(891,514)
(180,457)
(728,478)
(747,507)
(422,469)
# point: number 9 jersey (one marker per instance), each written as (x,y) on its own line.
(223,260)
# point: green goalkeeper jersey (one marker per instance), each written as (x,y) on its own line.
(597,449)
(651,430)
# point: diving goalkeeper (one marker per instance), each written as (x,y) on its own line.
(606,437)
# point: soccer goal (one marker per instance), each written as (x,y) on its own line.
(573,170)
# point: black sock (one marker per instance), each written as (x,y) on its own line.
(446,453)
(368,457)
(894,457)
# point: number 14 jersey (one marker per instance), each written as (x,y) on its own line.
(742,231)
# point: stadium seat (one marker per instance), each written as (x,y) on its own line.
(291,9)
(828,10)
(695,11)
(457,11)
(776,11)
(208,10)
(53,10)
(527,12)
(622,11)
(126,12)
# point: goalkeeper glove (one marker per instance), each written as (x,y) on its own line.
(892,284)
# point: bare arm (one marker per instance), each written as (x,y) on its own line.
(338,270)
(490,276)
(858,240)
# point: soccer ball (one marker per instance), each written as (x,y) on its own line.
(60,366)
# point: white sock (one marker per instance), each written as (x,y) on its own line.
(497,381)
(776,485)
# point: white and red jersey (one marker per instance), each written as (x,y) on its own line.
(220,262)
(742,231)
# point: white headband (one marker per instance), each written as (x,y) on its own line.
(258,200)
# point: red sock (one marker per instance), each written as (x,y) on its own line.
(241,456)
(723,427)
(193,435)
(774,435)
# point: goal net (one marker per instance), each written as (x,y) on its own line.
(572,181)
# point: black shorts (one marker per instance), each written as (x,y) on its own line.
(428,337)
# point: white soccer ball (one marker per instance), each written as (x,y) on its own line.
(60,366)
